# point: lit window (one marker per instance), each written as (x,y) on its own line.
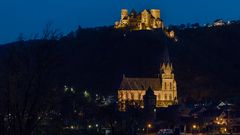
(165,96)
(139,96)
(132,96)
(121,95)
(170,97)
(127,96)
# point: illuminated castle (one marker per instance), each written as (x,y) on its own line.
(132,90)
(146,20)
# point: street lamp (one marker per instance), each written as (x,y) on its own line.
(89,126)
(97,126)
(194,126)
(148,126)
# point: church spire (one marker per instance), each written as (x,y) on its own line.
(166,66)
(166,57)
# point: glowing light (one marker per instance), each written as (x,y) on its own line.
(149,125)
(155,110)
(72,90)
(65,88)
(96,125)
(223,130)
(86,94)
(89,126)
(194,126)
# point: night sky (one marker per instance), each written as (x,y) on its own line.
(30,16)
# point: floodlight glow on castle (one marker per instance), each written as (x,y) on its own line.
(145,20)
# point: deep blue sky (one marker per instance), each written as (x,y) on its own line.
(30,16)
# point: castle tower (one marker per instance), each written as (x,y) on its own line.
(124,13)
(155,13)
(145,19)
(133,13)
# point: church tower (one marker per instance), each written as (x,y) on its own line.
(150,93)
(169,85)
(168,81)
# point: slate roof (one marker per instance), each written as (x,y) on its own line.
(140,83)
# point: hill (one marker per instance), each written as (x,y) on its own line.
(205,59)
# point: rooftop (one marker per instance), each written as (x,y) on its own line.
(140,83)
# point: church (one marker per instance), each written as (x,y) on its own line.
(133,89)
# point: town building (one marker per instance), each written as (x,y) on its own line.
(149,100)
(219,22)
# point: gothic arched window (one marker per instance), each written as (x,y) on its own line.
(127,95)
(159,96)
(139,96)
(121,95)
(165,96)
(132,96)
(170,96)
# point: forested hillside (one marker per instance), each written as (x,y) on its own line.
(205,59)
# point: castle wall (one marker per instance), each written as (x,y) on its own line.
(145,18)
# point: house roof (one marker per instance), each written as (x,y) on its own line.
(140,83)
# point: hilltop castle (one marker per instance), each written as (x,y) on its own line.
(145,20)
(132,90)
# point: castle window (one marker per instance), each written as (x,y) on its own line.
(165,96)
(165,85)
(170,86)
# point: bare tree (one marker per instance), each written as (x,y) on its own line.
(27,85)
(50,33)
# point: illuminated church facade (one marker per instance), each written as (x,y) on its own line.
(145,20)
(132,90)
